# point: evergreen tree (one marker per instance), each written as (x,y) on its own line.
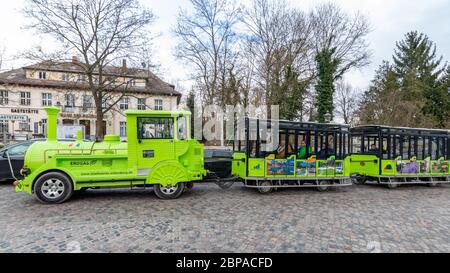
(380,102)
(327,66)
(417,67)
(443,115)
(291,101)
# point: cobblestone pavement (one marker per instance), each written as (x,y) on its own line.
(207,219)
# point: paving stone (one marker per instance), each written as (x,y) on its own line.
(354,219)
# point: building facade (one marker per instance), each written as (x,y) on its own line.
(25,92)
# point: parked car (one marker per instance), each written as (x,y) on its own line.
(16,154)
(218,162)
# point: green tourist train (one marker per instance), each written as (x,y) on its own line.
(160,153)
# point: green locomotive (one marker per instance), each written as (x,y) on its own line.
(159,152)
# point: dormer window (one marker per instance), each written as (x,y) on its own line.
(81,77)
(42,75)
(132,83)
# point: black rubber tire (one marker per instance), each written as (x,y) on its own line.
(392,186)
(322,186)
(265,190)
(159,191)
(65,195)
(362,180)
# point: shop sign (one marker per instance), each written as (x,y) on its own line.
(7,117)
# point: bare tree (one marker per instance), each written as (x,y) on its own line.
(102,32)
(347,101)
(2,54)
(346,35)
(206,39)
(277,38)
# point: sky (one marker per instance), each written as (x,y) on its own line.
(390,21)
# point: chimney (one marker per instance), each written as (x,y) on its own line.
(74,59)
(124,64)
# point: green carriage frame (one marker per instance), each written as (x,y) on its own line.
(262,170)
(401,155)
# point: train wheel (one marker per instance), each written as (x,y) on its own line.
(169,192)
(392,184)
(53,188)
(361,180)
(323,186)
(432,184)
(267,187)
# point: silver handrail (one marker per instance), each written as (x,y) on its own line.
(10,166)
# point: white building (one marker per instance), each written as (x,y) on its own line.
(25,92)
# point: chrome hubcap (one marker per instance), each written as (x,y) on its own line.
(52,188)
(169,189)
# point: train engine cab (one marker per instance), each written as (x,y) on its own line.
(394,156)
(271,154)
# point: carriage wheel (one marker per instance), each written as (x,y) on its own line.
(323,185)
(267,187)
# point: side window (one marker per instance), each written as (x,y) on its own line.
(356,144)
(155,128)
(182,128)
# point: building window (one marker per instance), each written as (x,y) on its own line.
(123,104)
(142,104)
(24,126)
(65,77)
(81,77)
(4,128)
(87,102)
(70,100)
(70,103)
(158,104)
(36,127)
(132,83)
(123,129)
(42,75)
(25,98)
(46,99)
(3,97)
(104,103)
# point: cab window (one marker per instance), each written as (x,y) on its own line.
(182,128)
(155,128)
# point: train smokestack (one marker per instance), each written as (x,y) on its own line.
(52,113)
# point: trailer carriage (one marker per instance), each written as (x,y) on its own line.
(307,155)
(394,155)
